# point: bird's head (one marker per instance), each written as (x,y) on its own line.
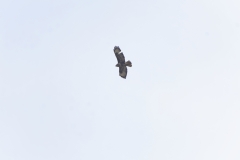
(116,49)
(118,65)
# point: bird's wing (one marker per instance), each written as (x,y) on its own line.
(120,57)
(123,72)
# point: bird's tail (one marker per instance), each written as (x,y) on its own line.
(129,63)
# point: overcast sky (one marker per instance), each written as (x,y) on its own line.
(61,97)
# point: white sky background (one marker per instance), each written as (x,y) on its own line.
(61,96)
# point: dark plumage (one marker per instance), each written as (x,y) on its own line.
(121,62)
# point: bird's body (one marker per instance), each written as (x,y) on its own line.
(121,62)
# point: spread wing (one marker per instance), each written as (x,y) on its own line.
(120,57)
(123,72)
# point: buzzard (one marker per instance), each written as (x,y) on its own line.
(121,62)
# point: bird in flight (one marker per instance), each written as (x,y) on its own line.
(121,62)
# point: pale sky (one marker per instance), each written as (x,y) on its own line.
(61,97)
